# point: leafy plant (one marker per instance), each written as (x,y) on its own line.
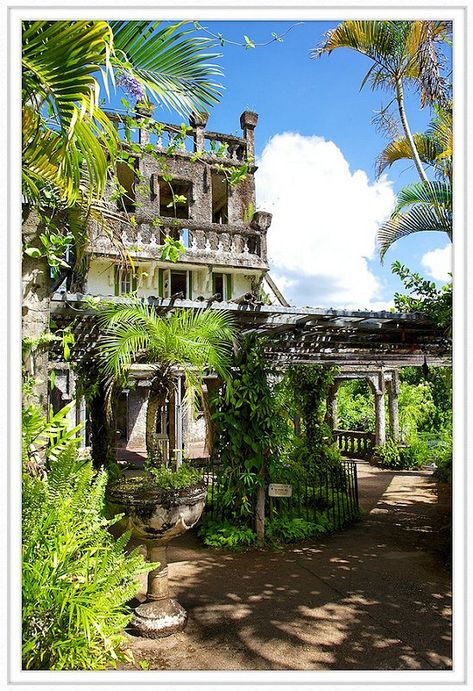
(45,438)
(310,385)
(424,296)
(168,478)
(248,435)
(391,455)
(171,250)
(226,535)
(287,529)
(76,577)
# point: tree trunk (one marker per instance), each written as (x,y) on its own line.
(102,436)
(35,310)
(408,133)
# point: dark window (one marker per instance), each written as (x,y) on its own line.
(179,282)
(174,198)
(222,284)
(127,180)
(219,198)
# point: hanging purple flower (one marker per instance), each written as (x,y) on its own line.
(131,85)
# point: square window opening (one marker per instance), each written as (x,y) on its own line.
(219,198)
(174,198)
(126,177)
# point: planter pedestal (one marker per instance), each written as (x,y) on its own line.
(160,615)
(155,517)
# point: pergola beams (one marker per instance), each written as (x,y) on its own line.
(297,335)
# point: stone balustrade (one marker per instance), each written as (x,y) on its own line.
(354,443)
(237,245)
(173,139)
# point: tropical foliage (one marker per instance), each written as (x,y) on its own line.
(403,53)
(68,139)
(76,577)
(424,296)
(425,205)
(193,342)
(310,385)
(248,432)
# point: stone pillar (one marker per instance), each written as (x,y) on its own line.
(331,416)
(143,113)
(248,121)
(158,585)
(393,393)
(35,309)
(379,409)
(198,121)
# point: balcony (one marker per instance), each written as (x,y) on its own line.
(212,243)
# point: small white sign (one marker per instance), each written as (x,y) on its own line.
(280,490)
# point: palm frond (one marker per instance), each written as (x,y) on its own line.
(420,207)
(399,149)
(169,62)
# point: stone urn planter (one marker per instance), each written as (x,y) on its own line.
(155,516)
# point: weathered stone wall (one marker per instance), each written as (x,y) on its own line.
(137,418)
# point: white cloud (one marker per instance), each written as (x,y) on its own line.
(439,263)
(325,219)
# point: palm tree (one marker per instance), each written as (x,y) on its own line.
(69,143)
(192,342)
(68,139)
(425,205)
(403,53)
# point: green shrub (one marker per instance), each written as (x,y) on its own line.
(168,478)
(76,576)
(391,455)
(226,535)
(286,529)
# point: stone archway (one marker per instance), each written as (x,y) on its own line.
(381,381)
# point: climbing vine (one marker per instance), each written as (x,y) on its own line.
(249,434)
(310,386)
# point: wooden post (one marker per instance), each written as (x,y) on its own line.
(393,392)
(259,517)
(380,412)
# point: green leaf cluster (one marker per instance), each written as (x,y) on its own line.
(168,478)
(226,535)
(248,431)
(424,296)
(76,577)
(310,385)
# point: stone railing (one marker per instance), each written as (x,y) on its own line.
(174,139)
(355,444)
(239,245)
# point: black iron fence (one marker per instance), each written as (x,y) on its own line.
(328,494)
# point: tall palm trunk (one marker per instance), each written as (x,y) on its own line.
(407,131)
(158,393)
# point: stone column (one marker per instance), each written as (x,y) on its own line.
(158,585)
(393,393)
(248,121)
(198,121)
(143,113)
(35,309)
(331,416)
(379,409)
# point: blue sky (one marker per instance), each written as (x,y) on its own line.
(313,117)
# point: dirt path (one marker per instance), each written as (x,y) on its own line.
(375,597)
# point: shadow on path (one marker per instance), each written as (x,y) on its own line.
(375,597)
